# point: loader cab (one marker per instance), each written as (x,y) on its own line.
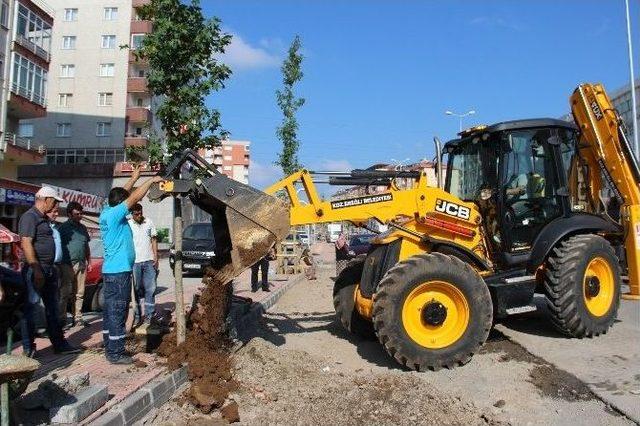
(516,172)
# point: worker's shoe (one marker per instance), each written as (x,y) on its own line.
(121,360)
(266,288)
(31,352)
(254,289)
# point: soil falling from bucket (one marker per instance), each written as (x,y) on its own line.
(206,347)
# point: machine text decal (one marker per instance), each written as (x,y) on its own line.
(596,110)
(361,201)
(452,209)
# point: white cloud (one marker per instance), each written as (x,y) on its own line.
(240,55)
(263,175)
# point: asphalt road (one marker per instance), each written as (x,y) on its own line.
(525,374)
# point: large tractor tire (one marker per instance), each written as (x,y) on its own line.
(344,300)
(432,311)
(582,285)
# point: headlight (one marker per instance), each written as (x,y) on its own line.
(209,253)
(352,253)
(172,251)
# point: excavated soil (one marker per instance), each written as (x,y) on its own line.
(206,347)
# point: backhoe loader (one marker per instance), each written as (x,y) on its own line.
(528,206)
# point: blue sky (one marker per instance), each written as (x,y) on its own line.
(380,74)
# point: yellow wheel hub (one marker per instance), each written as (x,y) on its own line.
(435,314)
(598,286)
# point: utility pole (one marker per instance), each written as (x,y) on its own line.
(636,147)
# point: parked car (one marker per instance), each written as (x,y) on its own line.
(303,237)
(198,247)
(360,244)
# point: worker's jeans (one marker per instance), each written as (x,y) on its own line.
(117,295)
(49,295)
(263,266)
(144,282)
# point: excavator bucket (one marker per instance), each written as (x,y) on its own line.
(246,221)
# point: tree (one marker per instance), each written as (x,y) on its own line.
(289,104)
(182,52)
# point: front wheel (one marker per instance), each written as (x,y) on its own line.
(344,294)
(432,311)
(582,286)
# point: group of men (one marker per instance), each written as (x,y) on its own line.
(57,258)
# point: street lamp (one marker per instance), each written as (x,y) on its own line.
(460,116)
(636,146)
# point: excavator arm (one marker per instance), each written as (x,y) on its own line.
(610,163)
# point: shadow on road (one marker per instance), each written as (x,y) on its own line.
(274,327)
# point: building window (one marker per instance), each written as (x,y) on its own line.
(68,42)
(67,70)
(25,130)
(28,80)
(227,147)
(139,102)
(31,28)
(4,14)
(70,14)
(105,99)
(103,128)
(227,158)
(110,13)
(63,130)
(227,168)
(108,42)
(136,41)
(107,70)
(64,99)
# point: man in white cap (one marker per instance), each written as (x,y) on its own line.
(39,273)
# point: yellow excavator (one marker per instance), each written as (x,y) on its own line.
(523,207)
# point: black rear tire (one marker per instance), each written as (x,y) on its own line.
(396,320)
(344,300)
(568,268)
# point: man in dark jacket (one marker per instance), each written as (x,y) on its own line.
(39,273)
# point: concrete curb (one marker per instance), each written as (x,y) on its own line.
(158,391)
(86,402)
(152,395)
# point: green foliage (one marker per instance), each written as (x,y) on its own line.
(182,52)
(163,235)
(289,104)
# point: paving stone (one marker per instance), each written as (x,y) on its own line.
(86,402)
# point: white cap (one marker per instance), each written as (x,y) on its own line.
(47,191)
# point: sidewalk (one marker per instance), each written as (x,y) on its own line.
(122,381)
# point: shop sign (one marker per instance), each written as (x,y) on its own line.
(13,196)
(90,203)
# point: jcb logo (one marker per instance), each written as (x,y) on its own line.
(596,110)
(452,209)
(166,185)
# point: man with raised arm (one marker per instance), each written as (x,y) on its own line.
(119,256)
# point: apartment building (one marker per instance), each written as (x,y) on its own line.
(230,158)
(25,54)
(97,97)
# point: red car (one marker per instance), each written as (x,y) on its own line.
(93,296)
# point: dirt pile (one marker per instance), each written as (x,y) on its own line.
(206,347)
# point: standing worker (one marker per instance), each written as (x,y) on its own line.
(263,266)
(76,258)
(119,256)
(145,268)
(39,274)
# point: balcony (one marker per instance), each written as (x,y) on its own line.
(137,85)
(133,59)
(135,140)
(16,151)
(23,104)
(31,47)
(138,114)
(138,3)
(141,27)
